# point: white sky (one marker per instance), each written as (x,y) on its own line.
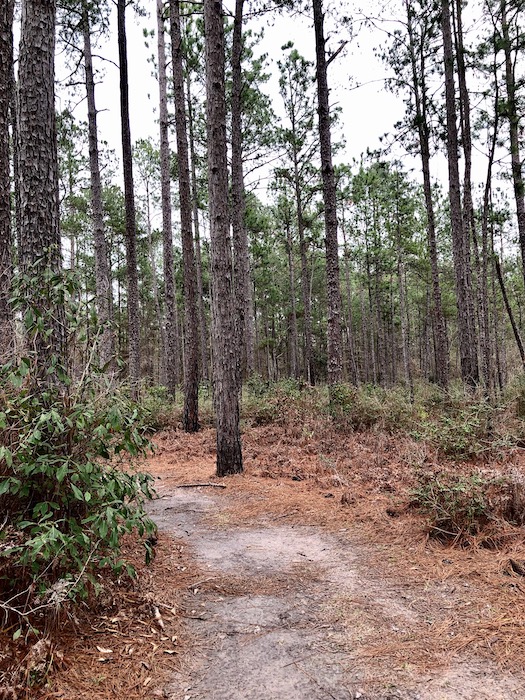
(368,111)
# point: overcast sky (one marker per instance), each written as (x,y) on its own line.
(367,112)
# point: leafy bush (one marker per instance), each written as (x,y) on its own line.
(462,506)
(157,411)
(457,505)
(65,502)
(361,408)
(265,402)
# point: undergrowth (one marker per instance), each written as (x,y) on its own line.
(455,424)
(67,491)
(472,507)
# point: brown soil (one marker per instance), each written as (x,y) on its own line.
(307,577)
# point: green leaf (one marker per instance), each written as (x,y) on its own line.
(61,472)
(7,455)
(17,634)
(78,493)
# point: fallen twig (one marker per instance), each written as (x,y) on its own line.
(194,486)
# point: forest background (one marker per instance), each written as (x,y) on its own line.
(393,287)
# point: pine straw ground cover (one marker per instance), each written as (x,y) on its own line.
(358,486)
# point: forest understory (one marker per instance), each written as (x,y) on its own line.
(325,570)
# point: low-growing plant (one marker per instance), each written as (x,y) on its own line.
(365,407)
(157,410)
(67,492)
(460,506)
(456,505)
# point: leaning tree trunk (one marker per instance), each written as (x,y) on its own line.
(229,453)
(102,271)
(242,274)
(191,319)
(335,354)
(6,66)
(38,182)
(460,238)
(129,197)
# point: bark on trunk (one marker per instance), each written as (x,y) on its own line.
(129,196)
(203,328)
(6,237)
(170,359)
(242,271)
(38,178)
(229,453)
(294,368)
(102,272)
(460,238)
(441,346)
(335,355)
(191,320)
(514,126)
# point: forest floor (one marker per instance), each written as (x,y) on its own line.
(307,577)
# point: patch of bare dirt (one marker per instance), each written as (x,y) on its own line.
(308,576)
(335,590)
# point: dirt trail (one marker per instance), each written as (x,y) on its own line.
(289,613)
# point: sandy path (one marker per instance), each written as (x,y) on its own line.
(285,611)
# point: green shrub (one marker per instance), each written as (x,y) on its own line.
(475,504)
(362,408)
(157,410)
(65,502)
(456,505)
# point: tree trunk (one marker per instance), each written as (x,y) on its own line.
(511,108)
(441,349)
(203,329)
(242,272)
(102,272)
(487,251)
(38,180)
(514,325)
(170,359)
(309,373)
(468,204)
(129,196)
(229,453)
(6,237)
(335,354)
(403,313)
(154,284)
(353,370)
(191,320)
(294,368)
(460,238)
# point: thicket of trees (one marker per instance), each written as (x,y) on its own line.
(362,272)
